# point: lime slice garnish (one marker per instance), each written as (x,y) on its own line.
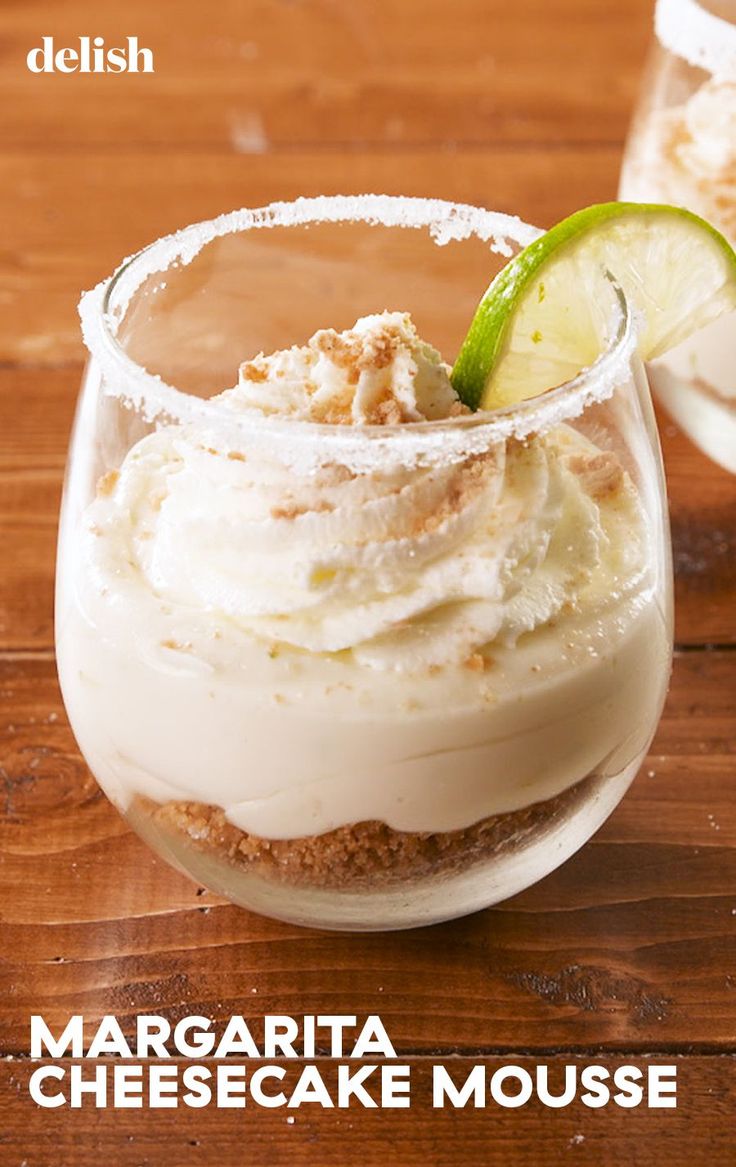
(548,313)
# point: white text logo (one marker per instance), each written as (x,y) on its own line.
(92,56)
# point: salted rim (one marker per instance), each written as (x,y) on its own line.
(306,444)
(698,36)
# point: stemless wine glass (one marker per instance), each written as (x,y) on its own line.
(682,150)
(357,677)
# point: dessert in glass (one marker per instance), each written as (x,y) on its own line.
(682,150)
(341,649)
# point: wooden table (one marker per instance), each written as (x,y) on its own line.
(626,953)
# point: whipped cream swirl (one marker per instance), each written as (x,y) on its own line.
(405,570)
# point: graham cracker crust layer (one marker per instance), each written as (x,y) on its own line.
(365,854)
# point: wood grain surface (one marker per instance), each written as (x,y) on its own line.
(626,953)
(260,75)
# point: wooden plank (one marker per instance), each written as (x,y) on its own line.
(36,411)
(698,1132)
(267,74)
(703,519)
(69,219)
(630,945)
(29,508)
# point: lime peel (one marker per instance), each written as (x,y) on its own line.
(531,334)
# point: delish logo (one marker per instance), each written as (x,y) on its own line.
(91,57)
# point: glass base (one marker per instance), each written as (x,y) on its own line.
(452,890)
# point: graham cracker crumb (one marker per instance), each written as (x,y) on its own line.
(107,483)
(338,348)
(476,662)
(255,370)
(385,412)
(458,409)
(288,511)
(363,855)
(468,481)
(380,348)
(334,474)
(293,510)
(601,474)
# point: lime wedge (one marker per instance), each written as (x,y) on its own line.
(548,313)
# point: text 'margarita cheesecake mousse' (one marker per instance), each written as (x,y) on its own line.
(682,150)
(339,643)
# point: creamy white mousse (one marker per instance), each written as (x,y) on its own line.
(424,647)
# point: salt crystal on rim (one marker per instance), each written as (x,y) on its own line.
(700,37)
(306,446)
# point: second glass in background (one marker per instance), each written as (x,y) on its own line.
(682,150)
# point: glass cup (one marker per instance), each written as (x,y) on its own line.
(356,677)
(682,150)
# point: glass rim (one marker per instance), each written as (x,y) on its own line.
(101,315)
(691,31)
